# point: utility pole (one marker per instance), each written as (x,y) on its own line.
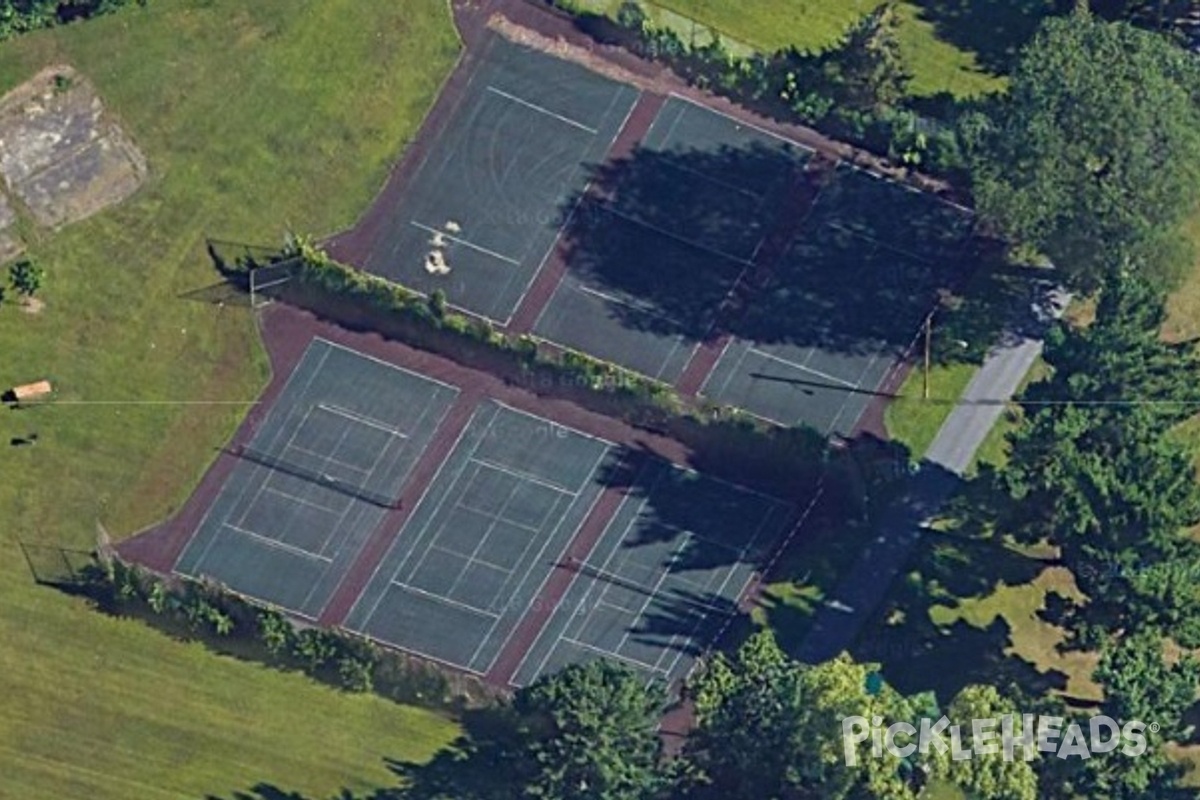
(928,349)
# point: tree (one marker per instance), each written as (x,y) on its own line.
(985,775)
(592,732)
(868,67)
(1094,472)
(769,727)
(26,277)
(1094,154)
(1139,685)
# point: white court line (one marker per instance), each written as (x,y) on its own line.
(580,197)
(429,533)
(743,558)
(381,362)
(442,599)
(608,653)
(555,425)
(293,498)
(471,560)
(336,461)
(677,237)
(355,417)
(541,109)
(400,538)
(465,242)
(547,574)
(338,527)
(487,534)
(490,516)
(586,601)
(810,370)
(525,477)
(744,123)
(275,543)
(645,308)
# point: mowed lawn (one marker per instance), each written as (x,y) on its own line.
(254,117)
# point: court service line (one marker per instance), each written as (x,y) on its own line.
(471,560)
(645,308)
(677,237)
(437,598)
(302,501)
(802,367)
(275,543)
(542,109)
(487,534)
(525,477)
(882,245)
(356,417)
(458,504)
(388,364)
(465,243)
(607,654)
(554,425)
(744,123)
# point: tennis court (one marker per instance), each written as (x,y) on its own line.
(471,560)
(485,206)
(844,305)
(317,478)
(664,237)
(666,574)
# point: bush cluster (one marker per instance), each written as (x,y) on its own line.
(314,269)
(229,622)
(21,16)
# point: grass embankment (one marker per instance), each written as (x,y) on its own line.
(253,117)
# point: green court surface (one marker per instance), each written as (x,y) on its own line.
(664,578)
(317,478)
(495,188)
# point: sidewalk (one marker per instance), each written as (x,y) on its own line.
(839,621)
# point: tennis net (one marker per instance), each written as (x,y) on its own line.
(315,476)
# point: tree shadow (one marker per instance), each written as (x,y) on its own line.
(666,235)
(994,30)
(918,654)
(482,764)
(267,791)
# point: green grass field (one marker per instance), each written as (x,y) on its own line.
(938,63)
(254,117)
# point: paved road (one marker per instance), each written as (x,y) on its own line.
(862,590)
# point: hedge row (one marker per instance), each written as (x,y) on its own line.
(722,440)
(315,269)
(229,623)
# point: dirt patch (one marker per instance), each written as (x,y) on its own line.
(32,305)
(60,153)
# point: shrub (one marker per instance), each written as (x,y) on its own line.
(275,631)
